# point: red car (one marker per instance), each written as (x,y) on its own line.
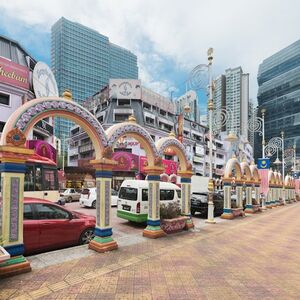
(48,226)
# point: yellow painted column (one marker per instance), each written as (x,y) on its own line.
(186,197)
(103,240)
(249,206)
(270,197)
(153,229)
(12,169)
(239,195)
(227,213)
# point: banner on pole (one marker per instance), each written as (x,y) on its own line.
(263,163)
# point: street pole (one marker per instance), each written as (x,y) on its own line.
(295,157)
(283,176)
(63,154)
(263,132)
(210,213)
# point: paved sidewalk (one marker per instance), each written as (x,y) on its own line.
(256,257)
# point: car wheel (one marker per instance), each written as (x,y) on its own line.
(193,211)
(69,199)
(94,204)
(86,236)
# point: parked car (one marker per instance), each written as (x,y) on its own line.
(199,204)
(88,197)
(70,195)
(48,226)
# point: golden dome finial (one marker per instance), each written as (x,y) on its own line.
(67,94)
(172,134)
(131,119)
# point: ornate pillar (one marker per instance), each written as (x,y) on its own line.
(257,198)
(153,229)
(227,213)
(273,196)
(186,196)
(269,198)
(239,195)
(12,169)
(278,196)
(249,206)
(103,240)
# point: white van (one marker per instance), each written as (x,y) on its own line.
(133,198)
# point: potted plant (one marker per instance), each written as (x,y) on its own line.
(236,211)
(171,219)
(255,205)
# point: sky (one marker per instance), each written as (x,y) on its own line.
(169,37)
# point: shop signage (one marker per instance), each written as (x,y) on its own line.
(169,165)
(126,161)
(43,148)
(14,74)
(125,89)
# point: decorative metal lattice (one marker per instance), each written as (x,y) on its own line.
(274,144)
(220,118)
(255,125)
(198,78)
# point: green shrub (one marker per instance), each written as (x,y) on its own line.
(170,211)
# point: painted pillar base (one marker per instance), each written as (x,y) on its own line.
(103,241)
(153,232)
(189,223)
(227,215)
(103,244)
(13,266)
(268,205)
(249,209)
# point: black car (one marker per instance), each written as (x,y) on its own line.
(199,204)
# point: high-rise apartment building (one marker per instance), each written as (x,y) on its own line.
(237,100)
(232,93)
(83,61)
(279,93)
(189,100)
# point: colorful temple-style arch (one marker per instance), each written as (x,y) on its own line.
(153,170)
(13,156)
(233,174)
(256,181)
(185,171)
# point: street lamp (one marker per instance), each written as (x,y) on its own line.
(273,146)
(257,124)
(210,214)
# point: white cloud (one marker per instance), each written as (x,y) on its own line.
(241,32)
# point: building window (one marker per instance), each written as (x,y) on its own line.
(4,99)
(149,121)
(2,124)
(124,102)
(121,117)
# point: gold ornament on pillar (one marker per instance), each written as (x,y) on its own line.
(16,137)
(67,94)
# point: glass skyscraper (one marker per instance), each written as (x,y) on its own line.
(279,93)
(83,61)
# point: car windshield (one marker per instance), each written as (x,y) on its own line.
(85,191)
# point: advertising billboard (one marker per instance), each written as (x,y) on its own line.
(14,74)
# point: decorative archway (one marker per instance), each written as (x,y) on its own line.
(277,188)
(24,118)
(13,156)
(256,182)
(232,175)
(271,193)
(154,169)
(185,172)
